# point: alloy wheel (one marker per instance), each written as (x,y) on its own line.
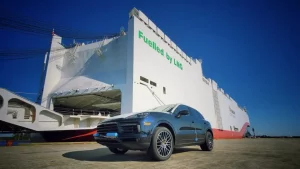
(210,141)
(164,143)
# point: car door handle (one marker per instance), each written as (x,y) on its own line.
(192,121)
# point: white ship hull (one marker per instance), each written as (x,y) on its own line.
(129,73)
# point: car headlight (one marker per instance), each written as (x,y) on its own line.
(139,115)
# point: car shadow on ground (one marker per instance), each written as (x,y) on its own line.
(104,155)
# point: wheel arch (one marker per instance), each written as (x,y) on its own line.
(168,125)
(210,130)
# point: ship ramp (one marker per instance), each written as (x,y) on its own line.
(18,114)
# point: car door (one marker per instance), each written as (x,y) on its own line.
(198,124)
(186,132)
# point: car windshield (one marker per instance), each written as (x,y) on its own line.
(164,108)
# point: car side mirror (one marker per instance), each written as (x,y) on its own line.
(182,113)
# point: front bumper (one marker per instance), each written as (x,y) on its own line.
(129,134)
(130,141)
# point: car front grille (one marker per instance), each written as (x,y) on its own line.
(123,127)
(129,128)
(107,127)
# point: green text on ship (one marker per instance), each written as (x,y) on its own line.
(159,50)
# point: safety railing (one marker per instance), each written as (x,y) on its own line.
(70,111)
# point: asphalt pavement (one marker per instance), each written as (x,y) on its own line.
(233,154)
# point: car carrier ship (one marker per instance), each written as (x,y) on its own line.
(133,71)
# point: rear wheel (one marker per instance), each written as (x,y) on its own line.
(208,145)
(118,150)
(162,144)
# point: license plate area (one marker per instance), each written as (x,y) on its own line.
(111,135)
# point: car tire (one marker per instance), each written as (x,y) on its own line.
(208,145)
(117,150)
(155,149)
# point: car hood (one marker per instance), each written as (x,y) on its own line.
(122,116)
(129,114)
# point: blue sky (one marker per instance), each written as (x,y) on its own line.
(251,48)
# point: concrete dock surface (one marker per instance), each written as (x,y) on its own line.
(234,154)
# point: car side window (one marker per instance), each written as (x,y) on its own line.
(195,113)
(180,108)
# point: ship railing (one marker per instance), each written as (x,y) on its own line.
(70,111)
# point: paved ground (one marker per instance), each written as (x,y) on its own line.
(240,154)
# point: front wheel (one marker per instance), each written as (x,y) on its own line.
(162,144)
(118,150)
(208,145)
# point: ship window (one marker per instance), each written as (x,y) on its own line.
(153,83)
(1,101)
(144,79)
(164,90)
(14,115)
